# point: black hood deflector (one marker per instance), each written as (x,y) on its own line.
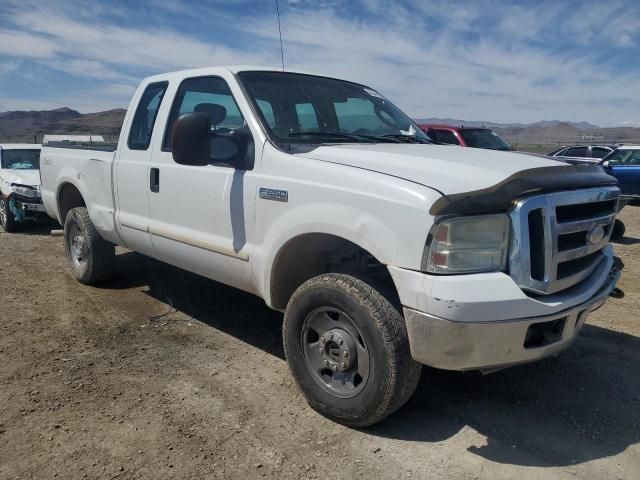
(500,197)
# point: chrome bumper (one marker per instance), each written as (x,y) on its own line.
(454,345)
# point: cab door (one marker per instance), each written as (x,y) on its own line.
(198,219)
(132,171)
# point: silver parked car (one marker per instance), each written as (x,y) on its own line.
(580,154)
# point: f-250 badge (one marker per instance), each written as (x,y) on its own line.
(273,194)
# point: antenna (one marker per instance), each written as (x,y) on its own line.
(286,99)
(280,33)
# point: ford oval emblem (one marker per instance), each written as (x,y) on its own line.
(595,235)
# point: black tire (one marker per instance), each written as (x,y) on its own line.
(392,375)
(89,256)
(618,230)
(7,220)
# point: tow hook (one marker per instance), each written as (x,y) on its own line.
(618,264)
(616,293)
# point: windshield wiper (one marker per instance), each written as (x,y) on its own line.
(407,138)
(339,135)
(347,136)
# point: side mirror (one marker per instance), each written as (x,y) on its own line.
(190,139)
(233,147)
(606,164)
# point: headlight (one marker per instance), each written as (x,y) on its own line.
(25,191)
(468,245)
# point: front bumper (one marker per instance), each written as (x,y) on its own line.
(460,345)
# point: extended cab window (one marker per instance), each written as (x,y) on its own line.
(145,116)
(208,95)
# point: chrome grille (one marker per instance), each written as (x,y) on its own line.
(558,237)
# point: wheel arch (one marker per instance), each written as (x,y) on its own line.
(324,253)
(69,196)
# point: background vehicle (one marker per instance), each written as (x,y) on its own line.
(580,154)
(384,250)
(19,185)
(624,164)
(465,136)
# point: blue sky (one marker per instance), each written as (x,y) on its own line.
(493,60)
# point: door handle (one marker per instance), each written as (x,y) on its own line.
(154,180)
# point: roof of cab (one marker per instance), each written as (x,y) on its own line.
(629,147)
(20,146)
(197,72)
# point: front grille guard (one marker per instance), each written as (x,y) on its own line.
(534,267)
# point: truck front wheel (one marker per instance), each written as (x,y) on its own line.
(347,347)
(89,256)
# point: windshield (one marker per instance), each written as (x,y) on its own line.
(21,159)
(296,108)
(483,138)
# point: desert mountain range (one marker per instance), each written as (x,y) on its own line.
(30,126)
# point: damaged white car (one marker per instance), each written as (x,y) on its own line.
(20,199)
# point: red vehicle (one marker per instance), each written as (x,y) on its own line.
(476,137)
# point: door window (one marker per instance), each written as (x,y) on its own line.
(208,95)
(577,152)
(145,116)
(600,152)
(625,157)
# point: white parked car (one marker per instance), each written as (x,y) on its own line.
(385,251)
(19,184)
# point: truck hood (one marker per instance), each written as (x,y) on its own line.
(448,169)
(30,178)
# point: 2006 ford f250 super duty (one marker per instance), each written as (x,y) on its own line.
(384,250)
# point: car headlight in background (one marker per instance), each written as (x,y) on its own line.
(468,245)
(25,191)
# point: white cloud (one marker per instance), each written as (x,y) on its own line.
(8,67)
(23,44)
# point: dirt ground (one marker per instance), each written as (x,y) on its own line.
(162,374)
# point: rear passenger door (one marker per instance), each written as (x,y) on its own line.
(132,171)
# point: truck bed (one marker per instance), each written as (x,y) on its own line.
(88,169)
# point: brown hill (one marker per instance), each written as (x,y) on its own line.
(21,126)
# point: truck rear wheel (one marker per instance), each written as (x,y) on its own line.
(7,220)
(348,349)
(89,256)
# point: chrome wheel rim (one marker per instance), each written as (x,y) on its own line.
(77,245)
(335,352)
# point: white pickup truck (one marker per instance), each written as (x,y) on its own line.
(385,251)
